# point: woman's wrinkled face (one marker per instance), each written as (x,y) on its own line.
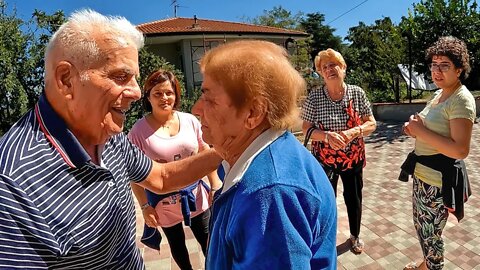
(332,71)
(444,73)
(221,121)
(162,97)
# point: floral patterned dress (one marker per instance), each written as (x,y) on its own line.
(329,115)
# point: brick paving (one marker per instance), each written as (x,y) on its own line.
(387,226)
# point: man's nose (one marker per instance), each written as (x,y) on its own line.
(133,91)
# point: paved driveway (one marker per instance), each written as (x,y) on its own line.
(387,226)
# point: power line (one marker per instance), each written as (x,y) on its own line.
(343,14)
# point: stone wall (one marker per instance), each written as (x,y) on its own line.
(401,111)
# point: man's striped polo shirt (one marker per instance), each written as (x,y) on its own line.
(58,210)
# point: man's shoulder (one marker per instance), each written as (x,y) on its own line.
(19,139)
(117,143)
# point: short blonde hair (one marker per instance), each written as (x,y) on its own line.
(249,69)
(326,55)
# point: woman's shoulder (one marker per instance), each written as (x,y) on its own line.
(316,92)
(463,98)
(138,126)
(355,88)
(187,116)
(465,93)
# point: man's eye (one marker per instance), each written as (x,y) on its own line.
(120,78)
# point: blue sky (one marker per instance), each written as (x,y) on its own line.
(140,11)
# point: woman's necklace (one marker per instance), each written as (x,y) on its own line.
(165,126)
(337,97)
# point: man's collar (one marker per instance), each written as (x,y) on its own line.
(59,135)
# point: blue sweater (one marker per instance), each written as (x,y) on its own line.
(281,215)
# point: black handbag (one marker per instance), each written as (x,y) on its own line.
(331,173)
(310,130)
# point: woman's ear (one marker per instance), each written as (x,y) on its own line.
(256,114)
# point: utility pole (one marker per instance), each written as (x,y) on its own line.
(410,66)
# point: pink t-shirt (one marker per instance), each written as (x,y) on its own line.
(167,149)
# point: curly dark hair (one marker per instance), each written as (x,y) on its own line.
(157,77)
(453,48)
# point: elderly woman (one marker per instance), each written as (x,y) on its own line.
(276,209)
(443,130)
(338,116)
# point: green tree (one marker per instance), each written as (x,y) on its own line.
(373,56)
(22,47)
(277,17)
(321,35)
(431,19)
(305,50)
(14,62)
(43,26)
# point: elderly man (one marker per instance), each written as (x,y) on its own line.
(277,209)
(65,167)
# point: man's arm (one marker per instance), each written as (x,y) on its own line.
(172,176)
(24,238)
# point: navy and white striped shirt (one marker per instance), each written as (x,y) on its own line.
(58,210)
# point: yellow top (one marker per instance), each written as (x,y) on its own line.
(436,116)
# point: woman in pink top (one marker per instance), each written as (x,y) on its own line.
(165,135)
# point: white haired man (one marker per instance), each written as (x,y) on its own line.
(65,167)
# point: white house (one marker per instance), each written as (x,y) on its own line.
(183,41)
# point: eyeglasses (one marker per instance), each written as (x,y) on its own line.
(442,67)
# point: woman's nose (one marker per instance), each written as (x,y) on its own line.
(197,107)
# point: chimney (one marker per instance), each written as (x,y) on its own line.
(195,22)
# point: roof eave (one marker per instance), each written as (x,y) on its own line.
(299,35)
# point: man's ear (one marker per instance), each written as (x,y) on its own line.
(256,114)
(64,74)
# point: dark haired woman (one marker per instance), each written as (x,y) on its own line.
(443,130)
(165,135)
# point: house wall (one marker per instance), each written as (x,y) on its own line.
(169,51)
(402,111)
(187,67)
(186,53)
(194,49)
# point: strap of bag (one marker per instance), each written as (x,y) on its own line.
(310,130)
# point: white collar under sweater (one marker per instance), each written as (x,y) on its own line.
(234,175)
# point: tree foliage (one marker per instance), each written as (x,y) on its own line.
(373,56)
(431,19)
(321,35)
(278,17)
(22,45)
